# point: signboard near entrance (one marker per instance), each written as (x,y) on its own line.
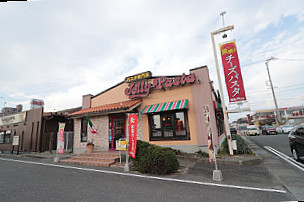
(132,120)
(121,145)
(16,140)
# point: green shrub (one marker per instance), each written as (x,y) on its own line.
(242,146)
(154,159)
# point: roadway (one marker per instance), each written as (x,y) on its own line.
(278,142)
(277,157)
(27,179)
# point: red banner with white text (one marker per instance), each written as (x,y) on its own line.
(232,72)
(132,120)
(60,139)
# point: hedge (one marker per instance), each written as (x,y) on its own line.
(242,146)
(154,159)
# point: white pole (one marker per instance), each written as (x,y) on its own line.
(278,116)
(227,129)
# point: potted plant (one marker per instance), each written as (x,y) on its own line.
(90,146)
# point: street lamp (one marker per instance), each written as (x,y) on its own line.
(227,128)
(278,116)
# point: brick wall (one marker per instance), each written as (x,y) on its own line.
(101,140)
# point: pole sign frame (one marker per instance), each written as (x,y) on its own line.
(232,72)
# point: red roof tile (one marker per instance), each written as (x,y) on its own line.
(109,107)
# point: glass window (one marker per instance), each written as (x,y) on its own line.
(7,136)
(1,137)
(156,126)
(83,131)
(169,125)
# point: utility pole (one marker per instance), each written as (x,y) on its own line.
(227,128)
(278,116)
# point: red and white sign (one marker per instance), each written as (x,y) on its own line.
(60,139)
(132,120)
(209,132)
(232,72)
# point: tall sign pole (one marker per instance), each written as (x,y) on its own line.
(278,116)
(227,129)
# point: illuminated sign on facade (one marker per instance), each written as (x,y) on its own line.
(144,87)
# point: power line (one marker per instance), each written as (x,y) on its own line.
(290,59)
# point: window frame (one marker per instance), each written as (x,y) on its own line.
(171,113)
(7,137)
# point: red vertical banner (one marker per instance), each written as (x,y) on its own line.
(132,121)
(232,72)
(209,132)
(60,139)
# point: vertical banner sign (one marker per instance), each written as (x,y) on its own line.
(209,131)
(60,139)
(132,134)
(232,72)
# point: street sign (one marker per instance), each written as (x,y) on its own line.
(16,140)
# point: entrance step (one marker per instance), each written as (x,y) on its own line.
(103,159)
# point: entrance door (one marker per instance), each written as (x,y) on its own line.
(116,130)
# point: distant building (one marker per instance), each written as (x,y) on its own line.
(291,115)
(11,110)
(36,129)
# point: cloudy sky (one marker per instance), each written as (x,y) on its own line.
(59,50)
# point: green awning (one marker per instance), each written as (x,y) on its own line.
(166,106)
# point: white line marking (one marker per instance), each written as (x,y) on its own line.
(149,177)
(285,157)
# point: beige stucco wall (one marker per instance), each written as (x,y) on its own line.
(113,95)
(202,95)
(169,95)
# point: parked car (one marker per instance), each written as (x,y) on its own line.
(279,129)
(268,130)
(296,142)
(286,128)
(252,130)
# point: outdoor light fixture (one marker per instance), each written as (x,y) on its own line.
(224,36)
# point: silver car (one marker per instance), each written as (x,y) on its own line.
(286,128)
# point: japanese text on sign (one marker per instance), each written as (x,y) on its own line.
(232,72)
(209,132)
(60,142)
(132,134)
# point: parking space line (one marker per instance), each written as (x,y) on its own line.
(285,157)
(149,177)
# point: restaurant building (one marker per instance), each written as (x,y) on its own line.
(170,112)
